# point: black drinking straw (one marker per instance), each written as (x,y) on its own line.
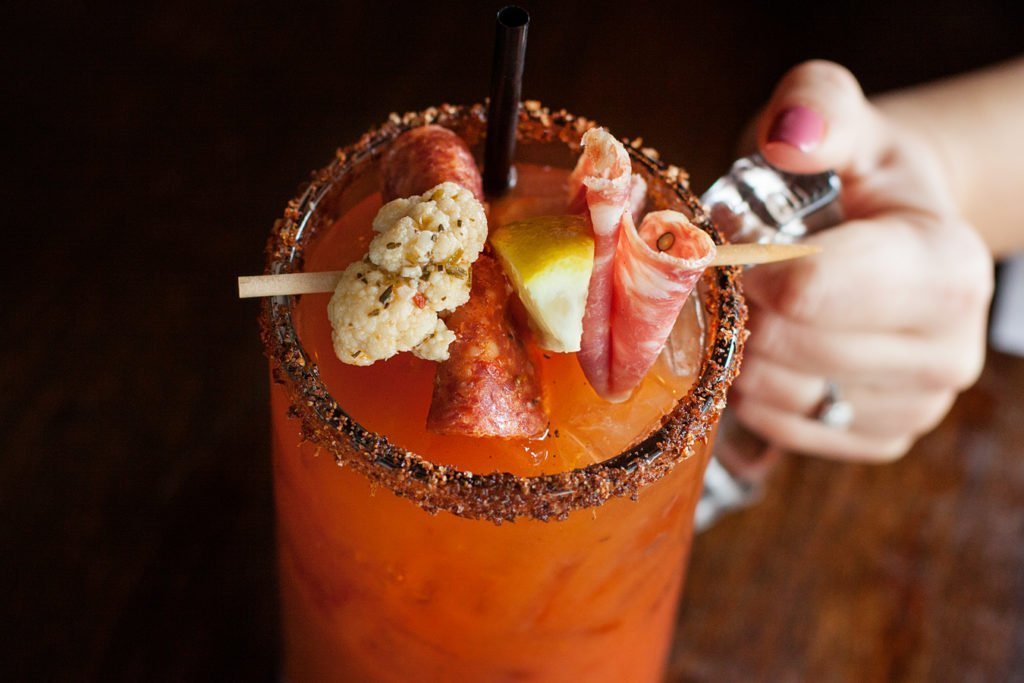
(506,91)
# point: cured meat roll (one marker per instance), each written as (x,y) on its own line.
(640,279)
(656,268)
(600,187)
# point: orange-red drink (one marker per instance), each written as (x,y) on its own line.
(551,559)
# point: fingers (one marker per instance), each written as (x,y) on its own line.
(819,119)
(894,308)
(878,413)
(884,360)
(889,273)
(893,311)
(841,287)
(800,434)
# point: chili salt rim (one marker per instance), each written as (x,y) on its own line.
(498,496)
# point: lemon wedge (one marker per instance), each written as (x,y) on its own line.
(549,260)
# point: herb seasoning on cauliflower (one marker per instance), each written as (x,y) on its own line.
(418,266)
(443,226)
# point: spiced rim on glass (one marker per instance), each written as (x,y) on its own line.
(582,581)
(497,496)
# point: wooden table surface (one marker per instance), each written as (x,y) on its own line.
(151,151)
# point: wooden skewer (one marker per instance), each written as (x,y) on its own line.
(289,283)
(325,281)
(753,254)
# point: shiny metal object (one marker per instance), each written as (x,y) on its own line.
(722,492)
(834,412)
(756,202)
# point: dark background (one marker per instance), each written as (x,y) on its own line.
(150,150)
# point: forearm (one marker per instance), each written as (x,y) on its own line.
(975,123)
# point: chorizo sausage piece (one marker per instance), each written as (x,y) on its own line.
(488,385)
(424,157)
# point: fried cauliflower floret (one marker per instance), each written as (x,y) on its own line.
(418,266)
(446,287)
(375,315)
(444,225)
(435,346)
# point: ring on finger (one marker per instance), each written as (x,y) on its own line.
(833,411)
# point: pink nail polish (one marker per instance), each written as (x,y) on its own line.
(799,126)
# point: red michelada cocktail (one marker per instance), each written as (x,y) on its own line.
(495,489)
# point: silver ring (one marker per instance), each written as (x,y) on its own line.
(833,411)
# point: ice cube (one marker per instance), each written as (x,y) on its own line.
(685,343)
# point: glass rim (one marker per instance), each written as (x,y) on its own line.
(497,496)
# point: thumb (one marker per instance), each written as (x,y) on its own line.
(818,119)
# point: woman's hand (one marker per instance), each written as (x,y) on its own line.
(892,312)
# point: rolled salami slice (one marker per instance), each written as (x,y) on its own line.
(656,268)
(423,157)
(599,187)
(488,385)
(637,197)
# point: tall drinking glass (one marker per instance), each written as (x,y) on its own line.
(397,568)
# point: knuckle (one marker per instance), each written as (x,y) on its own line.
(965,286)
(970,279)
(968,368)
(957,370)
